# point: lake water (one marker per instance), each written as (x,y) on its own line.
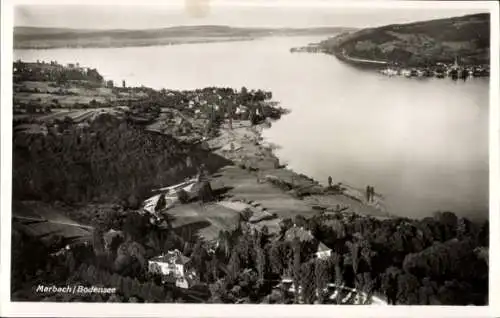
(423,144)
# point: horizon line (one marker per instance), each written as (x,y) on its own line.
(245,27)
(186,26)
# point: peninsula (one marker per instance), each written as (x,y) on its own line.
(426,48)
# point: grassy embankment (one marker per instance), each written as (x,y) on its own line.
(418,44)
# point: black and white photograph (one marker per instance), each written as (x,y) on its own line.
(204,152)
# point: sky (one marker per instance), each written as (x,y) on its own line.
(202,12)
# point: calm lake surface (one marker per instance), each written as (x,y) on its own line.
(423,143)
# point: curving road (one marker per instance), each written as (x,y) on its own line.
(354,59)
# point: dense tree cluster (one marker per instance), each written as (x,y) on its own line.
(126,286)
(53,72)
(28,258)
(405,257)
(110,161)
(121,263)
(428,261)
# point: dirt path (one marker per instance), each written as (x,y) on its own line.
(23,218)
(46,222)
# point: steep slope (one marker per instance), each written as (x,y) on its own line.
(419,43)
(110,161)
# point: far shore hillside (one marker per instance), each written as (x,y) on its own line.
(418,44)
(49,38)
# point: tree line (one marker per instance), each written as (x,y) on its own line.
(53,72)
(432,261)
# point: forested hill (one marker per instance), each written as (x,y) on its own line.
(420,43)
(35,37)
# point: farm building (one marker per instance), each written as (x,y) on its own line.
(155,203)
(182,192)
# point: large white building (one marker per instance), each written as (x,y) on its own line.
(172,264)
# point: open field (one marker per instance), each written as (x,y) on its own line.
(252,186)
(245,186)
(76,115)
(45,222)
(203,220)
(64,101)
(49,94)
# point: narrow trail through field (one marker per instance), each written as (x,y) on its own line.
(23,218)
(354,59)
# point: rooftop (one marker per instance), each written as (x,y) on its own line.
(175,257)
(322,247)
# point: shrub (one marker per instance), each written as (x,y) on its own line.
(183,196)
(205,192)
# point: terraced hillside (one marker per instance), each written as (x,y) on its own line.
(419,43)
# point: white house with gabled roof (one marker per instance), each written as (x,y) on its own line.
(173,264)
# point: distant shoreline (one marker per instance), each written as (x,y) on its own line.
(416,45)
(124,45)
(52,38)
